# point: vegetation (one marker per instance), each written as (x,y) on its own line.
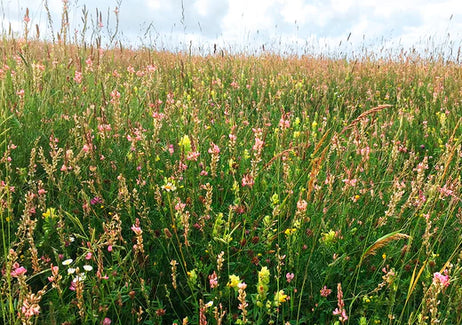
(159,188)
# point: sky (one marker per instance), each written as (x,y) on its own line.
(282,26)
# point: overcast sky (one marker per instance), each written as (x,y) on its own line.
(279,25)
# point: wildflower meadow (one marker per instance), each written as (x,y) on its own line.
(142,186)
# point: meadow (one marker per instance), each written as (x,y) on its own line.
(139,186)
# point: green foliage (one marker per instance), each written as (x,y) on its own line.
(166,182)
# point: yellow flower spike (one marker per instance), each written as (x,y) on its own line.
(234,280)
(280,297)
(50,213)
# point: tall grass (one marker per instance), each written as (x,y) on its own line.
(151,187)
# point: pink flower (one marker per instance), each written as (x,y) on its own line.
(193,155)
(18,271)
(88,256)
(86,148)
(283,123)
(213,279)
(343,316)
(20,93)
(78,77)
(340,311)
(325,292)
(96,200)
(302,205)
(258,146)
(115,95)
(107,321)
(136,230)
(109,248)
(242,285)
(351,182)
(30,309)
(439,279)
(151,68)
(214,149)
(248,180)
(180,206)
(136,227)
(290,277)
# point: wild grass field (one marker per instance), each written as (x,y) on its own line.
(148,187)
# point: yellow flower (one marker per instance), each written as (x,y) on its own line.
(234,280)
(280,297)
(290,231)
(185,143)
(264,275)
(50,213)
(329,237)
(192,276)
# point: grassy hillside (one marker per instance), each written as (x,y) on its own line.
(139,186)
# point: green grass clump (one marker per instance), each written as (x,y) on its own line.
(150,187)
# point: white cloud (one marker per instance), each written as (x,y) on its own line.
(251,23)
(154,4)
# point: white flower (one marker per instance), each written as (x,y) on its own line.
(68,261)
(70,270)
(81,277)
(169,187)
(88,268)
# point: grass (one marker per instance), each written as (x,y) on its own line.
(151,187)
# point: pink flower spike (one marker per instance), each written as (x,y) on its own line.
(54,270)
(18,271)
(325,292)
(136,230)
(213,279)
(86,148)
(443,280)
